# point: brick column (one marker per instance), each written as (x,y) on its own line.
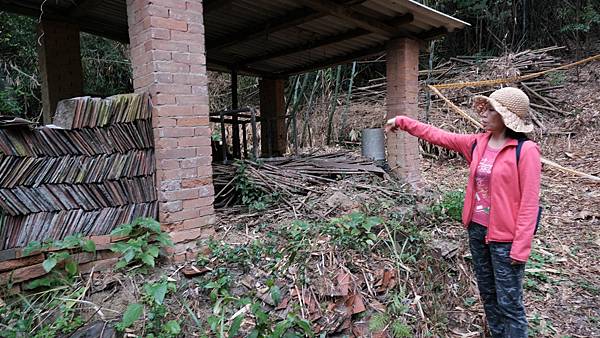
(272,114)
(402,61)
(60,64)
(169,62)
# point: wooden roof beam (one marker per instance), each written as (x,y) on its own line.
(214,5)
(428,35)
(288,20)
(81,7)
(433,33)
(329,40)
(352,16)
(335,60)
(291,19)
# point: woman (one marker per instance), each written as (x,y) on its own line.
(501,200)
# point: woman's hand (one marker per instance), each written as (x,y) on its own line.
(390,125)
(516,262)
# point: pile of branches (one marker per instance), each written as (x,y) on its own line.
(294,181)
(511,65)
(476,68)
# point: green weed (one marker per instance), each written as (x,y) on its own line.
(61,257)
(394,318)
(144,244)
(251,196)
(540,327)
(589,287)
(156,323)
(354,230)
(48,313)
(450,206)
(533,279)
(557,78)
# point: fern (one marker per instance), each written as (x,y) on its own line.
(397,306)
(400,330)
(378,322)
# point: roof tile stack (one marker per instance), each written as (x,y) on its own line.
(90,171)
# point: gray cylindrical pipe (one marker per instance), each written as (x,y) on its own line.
(373,143)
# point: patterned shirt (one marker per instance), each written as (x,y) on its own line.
(481,214)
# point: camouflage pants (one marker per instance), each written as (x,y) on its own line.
(500,285)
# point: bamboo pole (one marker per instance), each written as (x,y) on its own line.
(343,116)
(477,124)
(454,107)
(333,104)
(307,111)
(515,78)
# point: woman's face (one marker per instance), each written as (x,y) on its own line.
(491,120)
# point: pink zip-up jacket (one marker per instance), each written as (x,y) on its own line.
(514,190)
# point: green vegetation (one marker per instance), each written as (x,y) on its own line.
(450,206)
(156,323)
(395,317)
(106,68)
(60,263)
(536,276)
(144,243)
(43,314)
(251,196)
(55,310)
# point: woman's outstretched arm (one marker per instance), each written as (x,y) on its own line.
(461,143)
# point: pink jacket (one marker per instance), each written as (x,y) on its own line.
(514,190)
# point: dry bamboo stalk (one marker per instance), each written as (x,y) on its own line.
(454,107)
(514,78)
(536,94)
(545,161)
(569,170)
(549,108)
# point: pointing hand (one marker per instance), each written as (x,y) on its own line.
(390,125)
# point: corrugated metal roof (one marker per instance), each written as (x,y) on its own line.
(276,37)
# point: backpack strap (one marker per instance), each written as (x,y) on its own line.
(519,146)
(473,148)
(518,152)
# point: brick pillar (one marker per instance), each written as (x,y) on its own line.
(60,64)
(169,62)
(272,114)
(402,61)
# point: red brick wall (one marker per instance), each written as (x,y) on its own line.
(169,62)
(60,64)
(402,62)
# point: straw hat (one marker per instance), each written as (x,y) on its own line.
(512,104)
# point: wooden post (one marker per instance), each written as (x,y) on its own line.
(60,64)
(272,117)
(235,128)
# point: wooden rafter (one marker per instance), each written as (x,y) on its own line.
(329,40)
(291,19)
(326,41)
(215,5)
(288,20)
(336,60)
(81,7)
(431,34)
(352,16)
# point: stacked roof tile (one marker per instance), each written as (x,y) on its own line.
(90,171)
